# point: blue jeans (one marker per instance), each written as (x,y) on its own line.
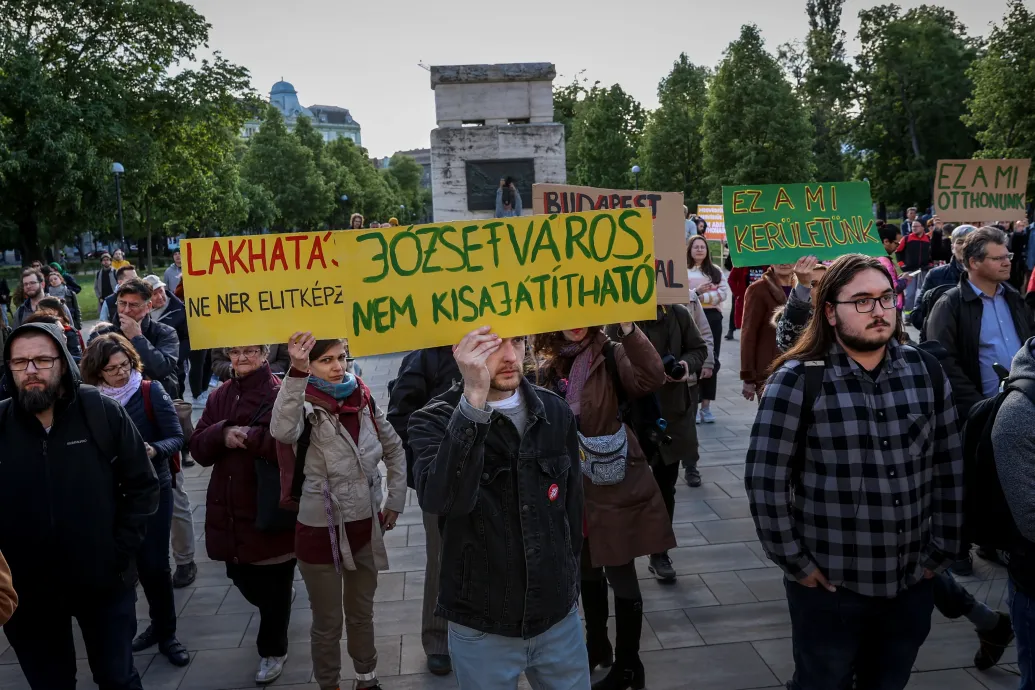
(1022,610)
(838,635)
(153,564)
(555,660)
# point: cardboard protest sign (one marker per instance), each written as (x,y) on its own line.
(426,286)
(259,289)
(395,289)
(778,224)
(669,227)
(969,190)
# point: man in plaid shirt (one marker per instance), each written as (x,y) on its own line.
(860,502)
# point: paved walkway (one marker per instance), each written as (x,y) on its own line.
(722,626)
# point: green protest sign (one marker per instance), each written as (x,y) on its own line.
(778,224)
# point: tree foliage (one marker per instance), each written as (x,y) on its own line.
(911,86)
(755,129)
(670,150)
(1000,110)
(605,136)
(827,86)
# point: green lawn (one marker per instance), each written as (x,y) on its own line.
(87,300)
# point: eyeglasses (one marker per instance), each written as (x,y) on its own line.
(117,368)
(249,353)
(864,305)
(1000,259)
(22,363)
(133,306)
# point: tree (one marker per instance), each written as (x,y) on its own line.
(565,100)
(826,86)
(74,70)
(911,88)
(605,136)
(755,129)
(1000,111)
(670,150)
(277,161)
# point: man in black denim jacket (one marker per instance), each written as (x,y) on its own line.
(497,460)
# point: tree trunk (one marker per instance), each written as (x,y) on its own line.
(29,232)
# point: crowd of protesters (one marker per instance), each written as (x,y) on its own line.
(543,465)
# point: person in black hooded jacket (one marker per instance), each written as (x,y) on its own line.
(423,376)
(76,491)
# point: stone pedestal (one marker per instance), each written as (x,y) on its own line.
(493,121)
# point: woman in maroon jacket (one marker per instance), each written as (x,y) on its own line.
(231,436)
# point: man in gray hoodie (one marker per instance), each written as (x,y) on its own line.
(1014,447)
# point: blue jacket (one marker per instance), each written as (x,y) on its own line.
(175,316)
(164,433)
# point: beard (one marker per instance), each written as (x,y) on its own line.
(36,401)
(860,343)
(505,385)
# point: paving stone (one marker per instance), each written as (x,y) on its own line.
(390,587)
(687,534)
(765,585)
(693,511)
(407,558)
(742,622)
(956,679)
(229,669)
(728,588)
(714,667)
(711,558)
(673,629)
(953,646)
(727,531)
(212,632)
(777,655)
(729,508)
(688,591)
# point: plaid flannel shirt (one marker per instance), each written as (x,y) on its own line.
(878,495)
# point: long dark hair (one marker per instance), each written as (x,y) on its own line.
(707,267)
(815,342)
(546,354)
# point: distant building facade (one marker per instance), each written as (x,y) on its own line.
(331,121)
(423,158)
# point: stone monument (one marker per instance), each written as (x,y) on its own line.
(494,121)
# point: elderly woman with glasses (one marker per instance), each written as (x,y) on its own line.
(233,438)
(112,364)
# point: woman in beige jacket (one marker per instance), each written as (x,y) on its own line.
(330,413)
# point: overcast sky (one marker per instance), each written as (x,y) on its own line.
(364,54)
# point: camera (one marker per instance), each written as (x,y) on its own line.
(656,435)
(674,368)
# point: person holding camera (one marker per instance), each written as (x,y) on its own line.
(683,351)
(508,200)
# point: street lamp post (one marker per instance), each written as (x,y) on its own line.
(118,170)
(636,176)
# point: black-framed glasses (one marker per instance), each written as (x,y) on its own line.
(117,368)
(22,363)
(864,305)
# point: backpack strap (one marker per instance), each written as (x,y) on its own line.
(97,422)
(1025,386)
(934,370)
(149,410)
(301,448)
(814,371)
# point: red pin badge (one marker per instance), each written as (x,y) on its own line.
(552,492)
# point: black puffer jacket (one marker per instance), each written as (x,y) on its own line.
(423,375)
(71,518)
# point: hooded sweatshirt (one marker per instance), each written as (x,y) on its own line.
(1014,447)
(71,519)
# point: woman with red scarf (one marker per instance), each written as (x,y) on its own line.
(338,434)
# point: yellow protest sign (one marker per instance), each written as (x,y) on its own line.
(426,286)
(258,289)
(395,289)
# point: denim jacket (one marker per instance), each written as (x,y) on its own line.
(510,511)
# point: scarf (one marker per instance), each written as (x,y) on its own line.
(583,355)
(123,393)
(59,291)
(337,391)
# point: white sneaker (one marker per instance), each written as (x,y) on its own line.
(270,668)
(199,402)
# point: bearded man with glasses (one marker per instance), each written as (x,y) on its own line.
(76,492)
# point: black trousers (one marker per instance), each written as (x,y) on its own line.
(41,634)
(708,386)
(622,578)
(838,635)
(268,588)
(666,477)
(200,371)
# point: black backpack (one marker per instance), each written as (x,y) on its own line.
(641,414)
(987,519)
(926,305)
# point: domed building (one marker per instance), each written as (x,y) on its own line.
(331,121)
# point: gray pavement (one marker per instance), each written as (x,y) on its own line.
(722,626)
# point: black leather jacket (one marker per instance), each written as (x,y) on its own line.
(510,553)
